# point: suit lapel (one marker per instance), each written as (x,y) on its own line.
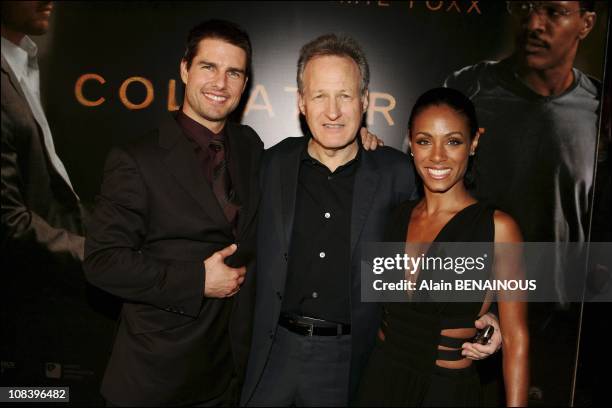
(36,117)
(17,86)
(364,191)
(288,172)
(12,78)
(181,161)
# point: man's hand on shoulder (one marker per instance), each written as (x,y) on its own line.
(369,140)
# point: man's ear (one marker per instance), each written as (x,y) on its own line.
(589,18)
(365,100)
(184,71)
(301,103)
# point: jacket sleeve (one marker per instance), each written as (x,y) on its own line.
(405,182)
(22,226)
(114,259)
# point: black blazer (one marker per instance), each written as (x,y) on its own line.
(155,221)
(385,178)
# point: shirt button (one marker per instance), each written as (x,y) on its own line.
(327,215)
(315,295)
(330,177)
(322,255)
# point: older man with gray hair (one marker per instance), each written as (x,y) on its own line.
(323,196)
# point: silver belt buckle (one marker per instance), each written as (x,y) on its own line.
(310,329)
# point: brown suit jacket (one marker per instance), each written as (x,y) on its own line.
(155,221)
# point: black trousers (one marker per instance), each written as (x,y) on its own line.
(305,371)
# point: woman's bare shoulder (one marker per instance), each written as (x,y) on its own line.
(506,228)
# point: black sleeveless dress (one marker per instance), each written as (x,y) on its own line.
(401,370)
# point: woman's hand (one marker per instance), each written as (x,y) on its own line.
(475,351)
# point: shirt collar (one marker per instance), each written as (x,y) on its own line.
(197,132)
(507,73)
(306,157)
(20,57)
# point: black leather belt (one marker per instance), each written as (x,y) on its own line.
(309,326)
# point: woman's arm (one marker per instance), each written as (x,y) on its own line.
(512,311)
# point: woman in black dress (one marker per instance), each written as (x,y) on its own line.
(417,360)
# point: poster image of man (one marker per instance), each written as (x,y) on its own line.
(50,316)
(536,159)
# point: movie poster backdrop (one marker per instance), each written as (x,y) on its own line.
(109,70)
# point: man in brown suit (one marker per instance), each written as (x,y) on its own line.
(173,233)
